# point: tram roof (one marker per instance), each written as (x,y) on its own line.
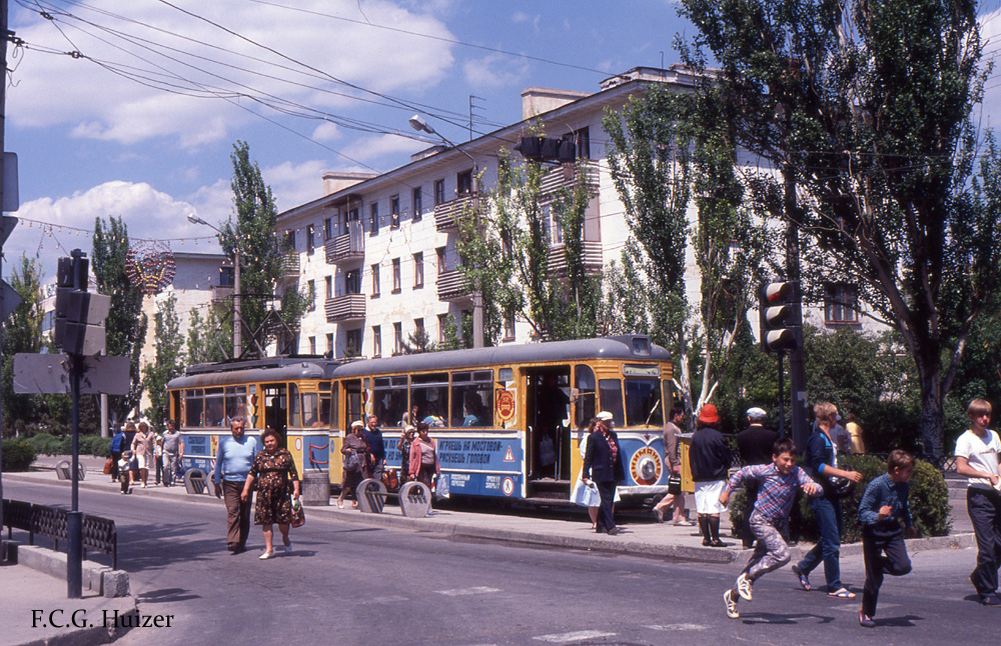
(628,348)
(271,369)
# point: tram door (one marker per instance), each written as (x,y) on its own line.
(548,413)
(276,408)
(353,404)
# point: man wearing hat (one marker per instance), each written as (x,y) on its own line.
(755,444)
(603,464)
(709,459)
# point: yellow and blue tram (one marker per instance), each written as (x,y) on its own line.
(508,420)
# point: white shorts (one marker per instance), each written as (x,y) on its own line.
(141,459)
(707,497)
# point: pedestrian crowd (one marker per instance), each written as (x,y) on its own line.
(137,450)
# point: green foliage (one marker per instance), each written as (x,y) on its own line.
(126,323)
(928,500)
(48,444)
(22,332)
(207,341)
(18,454)
(419,342)
(881,152)
(166,364)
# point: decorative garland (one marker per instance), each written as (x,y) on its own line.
(150,265)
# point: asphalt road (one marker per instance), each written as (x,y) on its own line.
(348,584)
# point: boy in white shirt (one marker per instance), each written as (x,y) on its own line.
(977,453)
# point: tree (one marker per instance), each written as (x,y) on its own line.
(22,332)
(865,108)
(167,362)
(671,153)
(207,341)
(126,322)
(262,258)
(505,253)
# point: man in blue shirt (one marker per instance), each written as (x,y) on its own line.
(376,448)
(232,464)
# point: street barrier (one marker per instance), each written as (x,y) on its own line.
(97,533)
(64,470)
(196,481)
(414,498)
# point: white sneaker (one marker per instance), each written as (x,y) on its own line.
(268,555)
(731,606)
(744,587)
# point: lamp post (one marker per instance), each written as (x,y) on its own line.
(420,125)
(237,322)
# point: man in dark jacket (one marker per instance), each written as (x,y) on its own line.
(709,459)
(603,465)
(755,444)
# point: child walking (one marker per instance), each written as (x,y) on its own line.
(769,519)
(978,451)
(883,503)
(124,472)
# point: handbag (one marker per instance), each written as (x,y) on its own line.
(674,485)
(351,461)
(298,515)
(108,466)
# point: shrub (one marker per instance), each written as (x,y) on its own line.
(95,445)
(48,444)
(929,502)
(18,455)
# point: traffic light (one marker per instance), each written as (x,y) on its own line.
(79,326)
(778,316)
(546,149)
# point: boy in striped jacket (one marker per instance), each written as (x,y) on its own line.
(769,520)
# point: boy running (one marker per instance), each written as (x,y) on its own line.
(769,520)
(884,501)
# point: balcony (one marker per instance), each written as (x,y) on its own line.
(558,260)
(348,247)
(452,286)
(564,177)
(448,214)
(342,309)
(290,264)
(222,293)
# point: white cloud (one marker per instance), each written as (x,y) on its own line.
(93,102)
(326,132)
(295,184)
(495,71)
(371,148)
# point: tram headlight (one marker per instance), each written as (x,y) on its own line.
(647,469)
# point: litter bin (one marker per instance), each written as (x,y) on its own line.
(315,488)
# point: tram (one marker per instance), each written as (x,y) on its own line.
(507,420)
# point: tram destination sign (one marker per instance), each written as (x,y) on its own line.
(50,374)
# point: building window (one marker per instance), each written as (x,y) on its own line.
(352,345)
(464,183)
(290,240)
(394,211)
(311,287)
(418,270)
(330,344)
(442,260)
(442,328)
(310,238)
(439,192)
(509,326)
(418,204)
(376,340)
(328,228)
(397,280)
(582,142)
(352,282)
(841,304)
(419,328)
(312,345)
(373,217)
(397,338)
(329,285)
(376,280)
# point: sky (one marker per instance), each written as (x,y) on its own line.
(130,108)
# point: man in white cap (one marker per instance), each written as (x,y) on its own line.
(755,445)
(603,465)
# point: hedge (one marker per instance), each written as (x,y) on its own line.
(929,502)
(18,455)
(47,444)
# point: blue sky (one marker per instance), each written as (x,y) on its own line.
(140,124)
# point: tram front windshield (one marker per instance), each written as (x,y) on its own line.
(643,405)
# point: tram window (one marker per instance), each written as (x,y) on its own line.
(294,407)
(505,374)
(324,412)
(429,393)
(584,383)
(215,407)
(389,400)
(472,398)
(643,405)
(352,393)
(610,391)
(335,406)
(236,402)
(310,411)
(667,394)
(193,406)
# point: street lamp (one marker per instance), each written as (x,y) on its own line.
(420,125)
(237,322)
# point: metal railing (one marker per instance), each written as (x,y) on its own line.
(98,533)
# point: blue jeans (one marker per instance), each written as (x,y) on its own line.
(828,547)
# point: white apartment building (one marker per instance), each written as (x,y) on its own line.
(379,250)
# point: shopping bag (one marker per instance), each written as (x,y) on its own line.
(298,516)
(441,488)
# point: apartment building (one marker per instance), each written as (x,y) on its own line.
(379,252)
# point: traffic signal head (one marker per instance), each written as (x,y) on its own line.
(778,320)
(80,315)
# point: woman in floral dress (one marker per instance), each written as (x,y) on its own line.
(273,468)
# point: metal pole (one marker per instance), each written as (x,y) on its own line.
(3,89)
(74,524)
(237,320)
(477,295)
(782,390)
